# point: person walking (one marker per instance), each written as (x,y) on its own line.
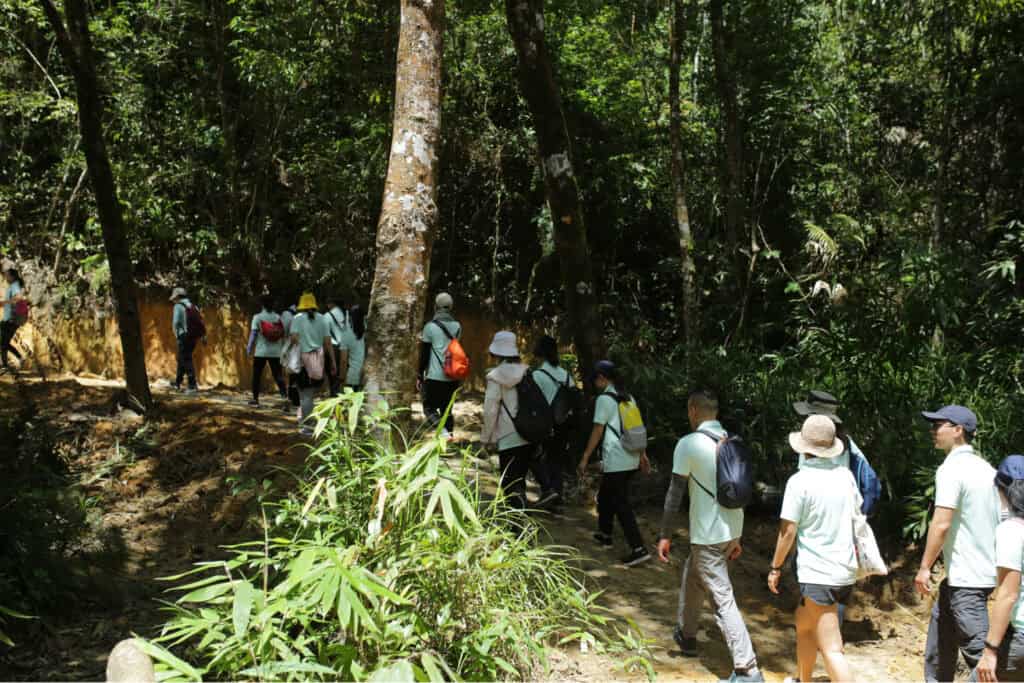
(1003,656)
(337,323)
(266,338)
(437,388)
(310,331)
(715,534)
(617,464)
(551,377)
(11,321)
(188,330)
(501,405)
(963,527)
(353,349)
(818,508)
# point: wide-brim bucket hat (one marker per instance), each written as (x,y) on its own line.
(307,302)
(817,437)
(504,345)
(819,403)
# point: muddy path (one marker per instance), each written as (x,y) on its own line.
(175,488)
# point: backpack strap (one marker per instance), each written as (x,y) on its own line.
(445,330)
(608,425)
(555,381)
(711,435)
(330,331)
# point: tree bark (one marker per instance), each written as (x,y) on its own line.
(731,171)
(409,214)
(75,45)
(539,88)
(682,210)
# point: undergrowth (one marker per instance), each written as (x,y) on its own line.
(386,564)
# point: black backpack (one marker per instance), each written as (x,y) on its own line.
(733,471)
(566,403)
(533,420)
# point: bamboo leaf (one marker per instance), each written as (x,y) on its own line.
(242,609)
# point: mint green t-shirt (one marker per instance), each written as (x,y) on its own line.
(13,290)
(549,386)
(439,341)
(264,347)
(695,457)
(356,349)
(310,331)
(614,457)
(1010,555)
(965,483)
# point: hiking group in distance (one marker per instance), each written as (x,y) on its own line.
(531,418)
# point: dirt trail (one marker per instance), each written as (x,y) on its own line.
(187,481)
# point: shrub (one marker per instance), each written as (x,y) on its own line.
(388,564)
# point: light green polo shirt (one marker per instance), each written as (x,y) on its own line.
(965,483)
(820,500)
(356,349)
(310,331)
(264,347)
(1010,555)
(439,341)
(548,386)
(614,457)
(695,457)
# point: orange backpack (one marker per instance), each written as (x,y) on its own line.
(456,362)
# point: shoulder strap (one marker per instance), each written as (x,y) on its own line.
(444,329)
(717,440)
(711,435)
(552,377)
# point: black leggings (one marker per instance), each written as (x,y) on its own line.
(515,463)
(613,501)
(436,396)
(257,375)
(7,330)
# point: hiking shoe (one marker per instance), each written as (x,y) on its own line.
(192,390)
(603,539)
(253,403)
(636,556)
(752,676)
(547,500)
(687,646)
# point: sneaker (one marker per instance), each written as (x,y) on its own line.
(305,431)
(637,556)
(790,679)
(687,646)
(603,539)
(547,500)
(192,390)
(253,403)
(752,676)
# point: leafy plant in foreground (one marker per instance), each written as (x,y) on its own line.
(388,564)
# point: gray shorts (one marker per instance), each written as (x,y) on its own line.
(825,595)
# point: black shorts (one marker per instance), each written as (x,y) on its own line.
(824,595)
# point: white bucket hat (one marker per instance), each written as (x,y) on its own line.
(504,344)
(178,293)
(817,437)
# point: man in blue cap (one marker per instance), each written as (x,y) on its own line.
(963,527)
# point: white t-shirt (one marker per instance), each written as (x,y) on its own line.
(439,341)
(548,386)
(1010,555)
(819,499)
(695,457)
(614,457)
(966,483)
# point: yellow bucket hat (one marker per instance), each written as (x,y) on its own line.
(307,302)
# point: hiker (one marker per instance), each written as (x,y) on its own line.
(14,298)
(266,338)
(337,323)
(310,331)
(437,387)
(617,464)
(818,508)
(1003,656)
(188,330)
(501,405)
(963,527)
(287,315)
(353,349)
(715,533)
(551,377)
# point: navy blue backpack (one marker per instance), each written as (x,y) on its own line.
(733,472)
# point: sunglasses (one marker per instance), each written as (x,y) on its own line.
(936,426)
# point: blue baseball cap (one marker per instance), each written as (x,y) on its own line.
(1011,469)
(605,368)
(958,415)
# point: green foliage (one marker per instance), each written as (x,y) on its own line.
(387,564)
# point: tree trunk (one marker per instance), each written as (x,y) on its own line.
(409,214)
(537,81)
(75,46)
(682,211)
(731,171)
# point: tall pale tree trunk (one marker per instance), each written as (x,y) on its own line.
(75,45)
(682,210)
(409,214)
(537,81)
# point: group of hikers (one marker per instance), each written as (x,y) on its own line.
(303,347)
(531,418)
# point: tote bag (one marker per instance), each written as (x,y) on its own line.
(314,364)
(291,358)
(869,559)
